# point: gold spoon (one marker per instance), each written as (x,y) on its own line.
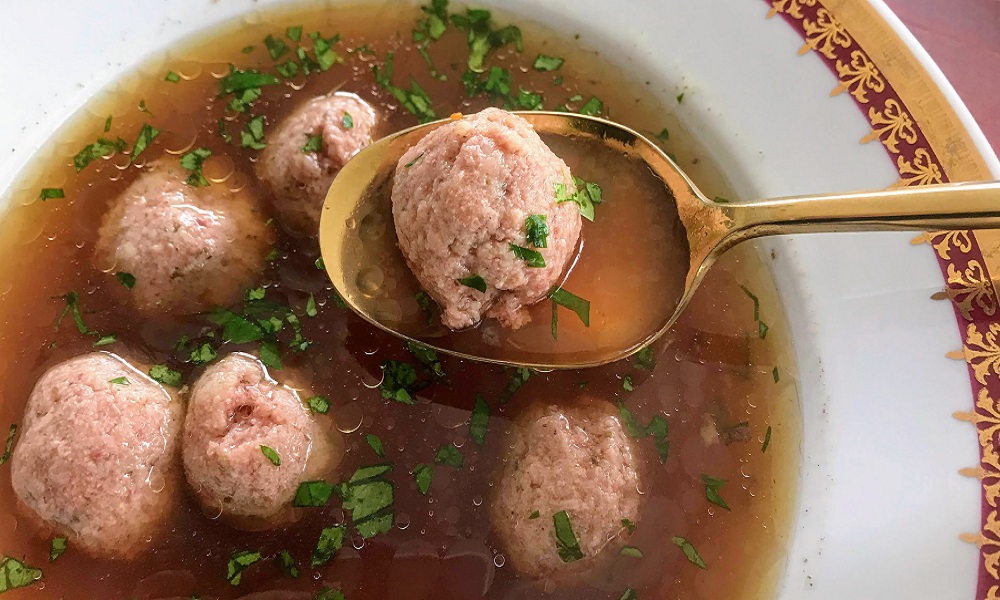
(358,241)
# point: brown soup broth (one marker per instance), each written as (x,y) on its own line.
(717,379)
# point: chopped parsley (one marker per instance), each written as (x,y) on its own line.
(311,310)
(680,97)
(436,23)
(314,143)
(376,444)
(270,355)
(775,375)
(645,359)
(253,136)
(147,133)
(271,454)
(537,231)
(627,384)
(628,525)
(767,440)
(712,487)
(192,161)
(762,329)
(320,264)
(165,375)
(547,63)
(119,381)
(144,108)
(286,562)
(105,340)
(427,357)
(519,378)
(240,562)
(236,329)
(15,574)
(288,69)
(534,515)
(483,38)
(328,593)
(126,279)
(592,107)
(475,282)
(532,258)
(331,539)
(72,307)
(102,148)
(631,552)
(51,194)
(9,444)
(580,197)
(450,456)
(689,551)
(347,121)
(312,494)
(56,547)
(370,498)
(664,134)
(294,33)
(573,302)
(423,474)
(275,47)
(629,595)
(658,428)
(172,77)
(566,543)
(414,161)
(319,404)
(107,124)
(202,354)
(239,80)
(398,380)
(423,300)
(756,302)
(415,100)
(479,421)
(529,100)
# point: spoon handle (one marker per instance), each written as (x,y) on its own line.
(931,208)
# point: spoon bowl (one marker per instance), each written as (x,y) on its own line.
(365,265)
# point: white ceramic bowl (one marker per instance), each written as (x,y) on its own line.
(882,501)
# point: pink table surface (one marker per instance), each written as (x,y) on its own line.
(963,38)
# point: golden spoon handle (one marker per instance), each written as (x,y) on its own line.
(932,207)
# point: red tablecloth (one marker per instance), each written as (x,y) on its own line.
(963,38)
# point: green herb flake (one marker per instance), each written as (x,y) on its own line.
(147,133)
(320,264)
(319,404)
(631,552)
(235,328)
(312,494)
(537,231)
(376,444)
(664,135)
(756,302)
(294,33)
(658,428)
(475,282)
(427,358)
(580,197)
(532,258)
(719,199)
(192,161)
(271,455)
(415,100)
(275,47)
(287,69)
(688,549)
(775,375)
(119,381)
(712,487)
(479,421)
(573,302)
(240,562)
(547,63)
(767,440)
(105,340)
(566,543)
(8,446)
(202,354)
(286,562)
(126,279)
(239,80)
(629,594)
(534,515)
(347,121)
(270,355)
(165,375)
(144,108)
(314,143)
(627,384)
(51,194)
(72,307)
(107,124)
(519,378)
(172,77)
(56,547)
(450,456)
(554,326)
(328,593)
(762,329)
(311,310)
(680,97)
(423,474)
(592,107)
(628,525)
(645,359)
(102,148)
(331,539)
(370,498)
(15,574)
(528,100)
(253,136)
(414,161)
(398,379)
